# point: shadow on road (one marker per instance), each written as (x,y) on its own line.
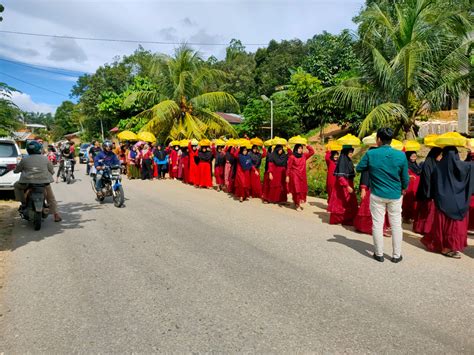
(7,195)
(359,246)
(72,219)
(321,205)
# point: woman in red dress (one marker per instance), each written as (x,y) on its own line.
(255,181)
(184,163)
(425,211)
(242,173)
(296,174)
(205,167)
(409,199)
(173,162)
(343,202)
(193,177)
(266,180)
(453,185)
(331,162)
(146,162)
(219,166)
(277,186)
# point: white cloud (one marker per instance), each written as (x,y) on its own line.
(25,103)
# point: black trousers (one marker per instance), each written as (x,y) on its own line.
(162,169)
(147,169)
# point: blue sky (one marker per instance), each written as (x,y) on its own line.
(199,21)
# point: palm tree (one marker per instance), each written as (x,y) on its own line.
(415,57)
(185,109)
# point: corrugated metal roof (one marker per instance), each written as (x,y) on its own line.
(232,118)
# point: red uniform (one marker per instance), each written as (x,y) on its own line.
(363,220)
(471,214)
(330,178)
(193,168)
(219,166)
(204,176)
(173,164)
(242,178)
(409,199)
(277,187)
(185,168)
(296,172)
(424,217)
(342,205)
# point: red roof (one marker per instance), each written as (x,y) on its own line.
(232,118)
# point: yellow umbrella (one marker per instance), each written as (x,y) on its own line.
(268,143)
(470,143)
(194,141)
(333,146)
(231,143)
(175,143)
(429,140)
(183,143)
(146,136)
(349,139)
(370,140)
(451,139)
(412,146)
(396,144)
(127,136)
(298,140)
(256,141)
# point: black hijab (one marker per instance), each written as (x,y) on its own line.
(424,191)
(268,159)
(345,167)
(454,183)
(413,166)
(220,158)
(333,154)
(256,158)
(229,157)
(295,151)
(205,156)
(469,156)
(279,159)
(184,151)
(365,176)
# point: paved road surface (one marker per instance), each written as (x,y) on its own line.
(181,269)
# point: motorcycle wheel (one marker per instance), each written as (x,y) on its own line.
(37,220)
(69,177)
(119,197)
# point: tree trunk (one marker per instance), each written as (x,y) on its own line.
(463,113)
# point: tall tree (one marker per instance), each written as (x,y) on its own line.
(186,108)
(9,112)
(415,56)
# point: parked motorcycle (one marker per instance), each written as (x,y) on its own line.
(66,174)
(111,185)
(36,206)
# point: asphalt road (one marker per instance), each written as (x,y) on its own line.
(181,269)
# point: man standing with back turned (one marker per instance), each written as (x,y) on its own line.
(388,170)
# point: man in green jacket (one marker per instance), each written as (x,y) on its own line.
(388,171)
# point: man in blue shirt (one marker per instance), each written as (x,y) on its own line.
(388,171)
(106,157)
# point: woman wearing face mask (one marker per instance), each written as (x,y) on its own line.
(204,165)
(132,160)
(331,158)
(255,181)
(277,186)
(146,161)
(296,174)
(161,160)
(173,160)
(243,170)
(184,161)
(343,202)
(409,201)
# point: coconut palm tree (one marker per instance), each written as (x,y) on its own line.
(185,108)
(415,57)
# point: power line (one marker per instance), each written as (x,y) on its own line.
(37,86)
(124,40)
(40,68)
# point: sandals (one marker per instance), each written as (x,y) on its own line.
(453,254)
(57,218)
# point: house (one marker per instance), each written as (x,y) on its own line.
(73,137)
(232,118)
(22,136)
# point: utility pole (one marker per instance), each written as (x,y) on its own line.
(265,98)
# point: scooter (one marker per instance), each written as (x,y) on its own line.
(111,185)
(37,208)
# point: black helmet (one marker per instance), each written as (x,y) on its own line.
(107,144)
(34,147)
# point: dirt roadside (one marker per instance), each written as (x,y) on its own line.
(8,213)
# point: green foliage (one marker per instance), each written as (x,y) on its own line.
(9,112)
(329,55)
(286,122)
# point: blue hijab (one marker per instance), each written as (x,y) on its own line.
(245,160)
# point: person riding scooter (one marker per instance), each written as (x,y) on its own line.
(36,169)
(105,158)
(66,153)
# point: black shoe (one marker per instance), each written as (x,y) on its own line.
(379,258)
(397,260)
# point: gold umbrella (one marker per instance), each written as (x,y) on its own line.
(147,137)
(127,136)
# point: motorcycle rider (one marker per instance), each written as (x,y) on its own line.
(66,153)
(105,158)
(36,169)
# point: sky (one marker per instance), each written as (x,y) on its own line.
(44,69)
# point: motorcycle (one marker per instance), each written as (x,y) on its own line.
(111,185)
(52,158)
(66,174)
(37,208)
